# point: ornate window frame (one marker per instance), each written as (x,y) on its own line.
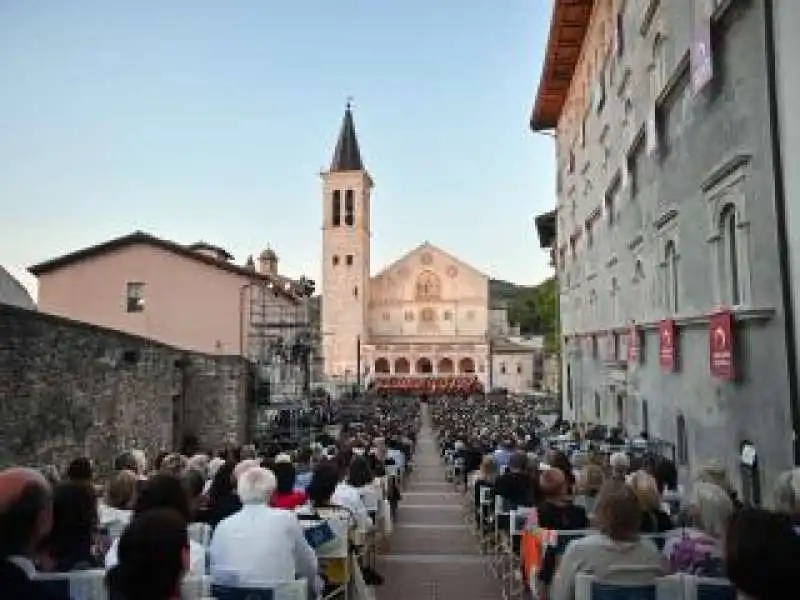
(668,233)
(728,185)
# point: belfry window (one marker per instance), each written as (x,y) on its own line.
(349,208)
(336,221)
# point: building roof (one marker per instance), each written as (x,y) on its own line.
(508,347)
(268,254)
(211,248)
(568,27)
(283,285)
(546,228)
(347,155)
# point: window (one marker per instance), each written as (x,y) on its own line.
(609,205)
(645,417)
(502,368)
(429,286)
(589,236)
(355,292)
(671,277)
(135,297)
(335,260)
(409,316)
(519,369)
(614,301)
(638,271)
(620,34)
(569,387)
(730,256)
(349,260)
(386,316)
(428,315)
(448,315)
(571,162)
(597,412)
(681,441)
(337,208)
(349,208)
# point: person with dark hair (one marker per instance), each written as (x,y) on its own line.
(762,554)
(323,485)
(285,495)
(222,498)
(68,547)
(153,558)
(164,491)
(516,486)
(25,520)
(80,471)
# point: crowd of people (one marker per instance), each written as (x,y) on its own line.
(624,498)
(246,518)
(237,518)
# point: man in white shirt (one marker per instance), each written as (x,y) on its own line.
(260,545)
(350,498)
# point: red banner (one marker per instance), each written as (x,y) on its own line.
(634,353)
(667,345)
(720,345)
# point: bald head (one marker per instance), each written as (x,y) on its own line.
(25,510)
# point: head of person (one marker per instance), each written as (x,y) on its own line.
(285,474)
(74,520)
(126,462)
(591,480)
(553,484)
(323,484)
(80,470)
(762,554)
(715,472)
(646,489)
(359,473)
(518,463)
(617,513)
(620,464)
(153,556)
(163,490)
(488,469)
(709,508)
(787,493)
(256,486)
(26,511)
(244,465)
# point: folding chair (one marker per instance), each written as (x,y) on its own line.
(77,585)
(289,590)
(708,588)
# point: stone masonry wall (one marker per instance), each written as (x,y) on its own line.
(69,388)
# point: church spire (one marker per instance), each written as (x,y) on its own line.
(347,156)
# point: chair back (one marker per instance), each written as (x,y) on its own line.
(289,590)
(659,539)
(200,533)
(708,588)
(588,587)
(76,585)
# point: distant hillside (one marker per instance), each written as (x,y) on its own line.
(532,307)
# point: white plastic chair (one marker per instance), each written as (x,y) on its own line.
(284,590)
(77,585)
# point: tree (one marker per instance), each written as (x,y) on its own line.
(535,310)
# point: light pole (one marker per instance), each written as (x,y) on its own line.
(358,362)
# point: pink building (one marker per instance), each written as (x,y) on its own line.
(191,297)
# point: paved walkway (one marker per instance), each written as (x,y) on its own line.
(432,555)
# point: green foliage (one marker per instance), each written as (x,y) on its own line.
(535,310)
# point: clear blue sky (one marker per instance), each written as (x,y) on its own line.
(199,119)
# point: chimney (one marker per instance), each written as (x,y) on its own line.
(268,262)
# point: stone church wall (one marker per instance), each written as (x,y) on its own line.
(69,388)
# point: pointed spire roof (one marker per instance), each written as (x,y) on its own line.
(347,156)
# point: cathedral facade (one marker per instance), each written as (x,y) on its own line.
(425,316)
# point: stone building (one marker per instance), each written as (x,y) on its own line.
(425,315)
(69,389)
(665,229)
(518,364)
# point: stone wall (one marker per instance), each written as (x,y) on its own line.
(70,388)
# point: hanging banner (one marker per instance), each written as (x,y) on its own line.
(701,58)
(634,339)
(720,346)
(667,345)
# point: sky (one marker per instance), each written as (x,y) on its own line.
(205,120)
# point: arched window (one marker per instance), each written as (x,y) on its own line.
(645,416)
(659,79)
(445,366)
(424,365)
(402,366)
(349,208)
(671,288)
(597,407)
(382,365)
(466,365)
(429,286)
(337,208)
(614,301)
(428,315)
(730,256)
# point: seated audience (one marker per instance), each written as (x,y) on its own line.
(286,496)
(153,558)
(260,544)
(70,543)
(654,519)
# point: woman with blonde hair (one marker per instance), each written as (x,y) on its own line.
(654,519)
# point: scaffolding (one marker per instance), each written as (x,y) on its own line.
(276,339)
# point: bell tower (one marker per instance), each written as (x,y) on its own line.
(346,190)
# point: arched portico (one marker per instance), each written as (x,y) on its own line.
(466,365)
(424,365)
(445,366)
